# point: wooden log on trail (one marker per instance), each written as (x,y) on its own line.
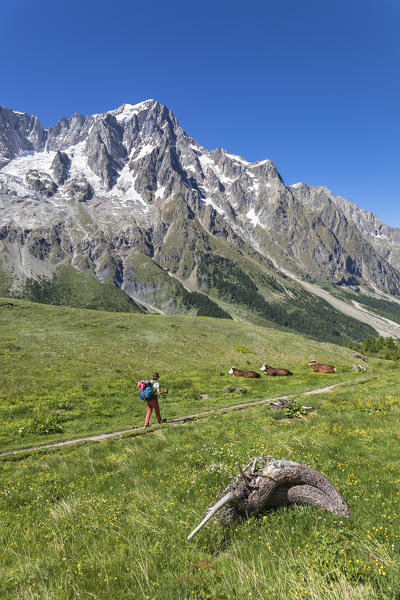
(278,483)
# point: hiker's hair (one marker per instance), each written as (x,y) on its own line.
(155,376)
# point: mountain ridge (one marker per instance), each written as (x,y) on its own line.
(93,189)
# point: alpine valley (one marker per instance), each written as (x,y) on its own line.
(124,211)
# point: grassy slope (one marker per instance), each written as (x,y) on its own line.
(81,367)
(153,286)
(5,282)
(70,287)
(110,520)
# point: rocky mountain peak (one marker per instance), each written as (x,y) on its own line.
(129,167)
(19,132)
(68,132)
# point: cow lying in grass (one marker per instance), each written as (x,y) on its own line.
(321,368)
(272,372)
(238,373)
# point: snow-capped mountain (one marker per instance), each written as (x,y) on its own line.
(94,192)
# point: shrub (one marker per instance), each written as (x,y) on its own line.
(64,404)
(294,410)
(46,425)
(243,349)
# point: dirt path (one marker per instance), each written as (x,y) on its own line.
(141,430)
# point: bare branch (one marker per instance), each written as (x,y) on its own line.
(243,476)
(225,500)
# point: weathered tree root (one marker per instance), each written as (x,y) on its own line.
(279,482)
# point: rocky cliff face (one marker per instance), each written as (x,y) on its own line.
(19,133)
(368,249)
(93,190)
(384,239)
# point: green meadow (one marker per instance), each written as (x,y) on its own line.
(110,519)
(68,372)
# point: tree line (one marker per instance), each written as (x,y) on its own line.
(317,319)
(382,347)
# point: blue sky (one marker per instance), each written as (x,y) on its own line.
(312,85)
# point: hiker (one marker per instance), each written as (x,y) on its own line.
(152,402)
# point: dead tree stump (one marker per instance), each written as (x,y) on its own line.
(278,483)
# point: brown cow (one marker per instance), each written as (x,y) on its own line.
(238,373)
(275,372)
(321,368)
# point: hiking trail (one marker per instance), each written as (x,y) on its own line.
(141,429)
